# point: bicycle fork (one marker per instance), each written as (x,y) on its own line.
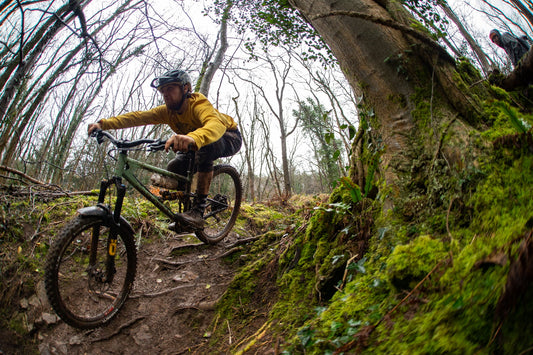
(113,221)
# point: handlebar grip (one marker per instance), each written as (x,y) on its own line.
(159,145)
(98,134)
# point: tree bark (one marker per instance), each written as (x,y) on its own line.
(392,64)
(213,67)
(522,75)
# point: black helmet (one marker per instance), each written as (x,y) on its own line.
(176,76)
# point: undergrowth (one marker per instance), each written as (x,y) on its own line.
(427,277)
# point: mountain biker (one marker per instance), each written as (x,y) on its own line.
(515,47)
(196,122)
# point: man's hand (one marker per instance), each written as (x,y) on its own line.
(180,143)
(93,127)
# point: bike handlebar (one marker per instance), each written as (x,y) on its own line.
(154,144)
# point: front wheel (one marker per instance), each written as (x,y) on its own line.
(223,204)
(90,270)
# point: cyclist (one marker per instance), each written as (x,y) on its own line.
(196,122)
(515,47)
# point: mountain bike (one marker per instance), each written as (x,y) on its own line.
(91,266)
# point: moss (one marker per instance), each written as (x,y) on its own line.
(409,263)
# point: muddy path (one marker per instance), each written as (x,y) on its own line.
(171,307)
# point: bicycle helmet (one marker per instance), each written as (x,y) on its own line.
(175,76)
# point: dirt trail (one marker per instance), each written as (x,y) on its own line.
(170,309)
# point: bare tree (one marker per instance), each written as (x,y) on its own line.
(280,72)
(485,62)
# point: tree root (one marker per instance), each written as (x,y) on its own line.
(170,290)
(199,306)
(247,343)
(232,248)
(118,330)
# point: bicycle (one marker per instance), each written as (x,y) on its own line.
(91,266)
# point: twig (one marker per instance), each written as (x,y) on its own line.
(413,290)
(229,330)
(346,270)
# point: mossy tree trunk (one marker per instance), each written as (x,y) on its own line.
(412,93)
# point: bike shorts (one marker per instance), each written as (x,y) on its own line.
(229,144)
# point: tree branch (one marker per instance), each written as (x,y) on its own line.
(389,23)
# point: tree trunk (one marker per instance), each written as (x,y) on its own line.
(213,67)
(15,72)
(522,75)
(407,80)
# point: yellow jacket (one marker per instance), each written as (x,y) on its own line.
(201,121)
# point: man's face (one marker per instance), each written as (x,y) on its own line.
(172,94)
(495,39)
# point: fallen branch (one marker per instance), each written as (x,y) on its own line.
(20,173)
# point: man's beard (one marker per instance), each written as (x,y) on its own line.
(176,106)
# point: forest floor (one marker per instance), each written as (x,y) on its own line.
(170,309)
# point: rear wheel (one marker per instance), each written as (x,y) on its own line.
(86,288)
(223,204)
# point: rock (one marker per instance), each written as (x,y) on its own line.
(34,301)
(75,340)
(185,276)
(41,293)
(143,335)
(24,304)
(49,318)
(44,349)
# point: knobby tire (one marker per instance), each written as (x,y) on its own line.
(224,203)
(72,292)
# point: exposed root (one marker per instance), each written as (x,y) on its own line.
(199,306)
(170,290)
(247,343)
(164,292)
(117,331)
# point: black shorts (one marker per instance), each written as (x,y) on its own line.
(229,144)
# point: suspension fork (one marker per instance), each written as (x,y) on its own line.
(113,222)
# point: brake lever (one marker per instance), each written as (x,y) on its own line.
(98,135)
(158,145)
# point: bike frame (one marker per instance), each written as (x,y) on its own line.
(126,167)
